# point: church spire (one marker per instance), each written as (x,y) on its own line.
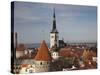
(54,20)
(54,30)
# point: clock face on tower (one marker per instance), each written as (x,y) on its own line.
(53,39)
(52,36)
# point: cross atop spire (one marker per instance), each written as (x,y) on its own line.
(54,30)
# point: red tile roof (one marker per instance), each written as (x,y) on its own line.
(67,52)
(24,65)
(43,53)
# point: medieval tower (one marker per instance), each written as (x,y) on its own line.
(42,59)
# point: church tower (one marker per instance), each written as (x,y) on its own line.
(54,33)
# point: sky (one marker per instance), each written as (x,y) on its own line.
(75,23)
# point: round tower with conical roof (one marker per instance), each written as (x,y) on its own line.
(42,59)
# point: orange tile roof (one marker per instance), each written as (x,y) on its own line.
(43,53)
(24,65)
(67,53)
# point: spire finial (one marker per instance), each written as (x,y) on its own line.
(54,13)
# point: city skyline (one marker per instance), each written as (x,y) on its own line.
(33,22)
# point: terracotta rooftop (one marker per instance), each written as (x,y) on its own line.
(70,53)
(43,53)
(24,65)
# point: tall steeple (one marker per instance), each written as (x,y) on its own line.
(54,30)
(54,37)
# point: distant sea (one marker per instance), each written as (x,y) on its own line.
(35,45)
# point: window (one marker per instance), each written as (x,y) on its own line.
(17,67)
(30,71)
(52,36)
(47,62)
(26,69)
(31,66)
(55,54)
(41,63)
